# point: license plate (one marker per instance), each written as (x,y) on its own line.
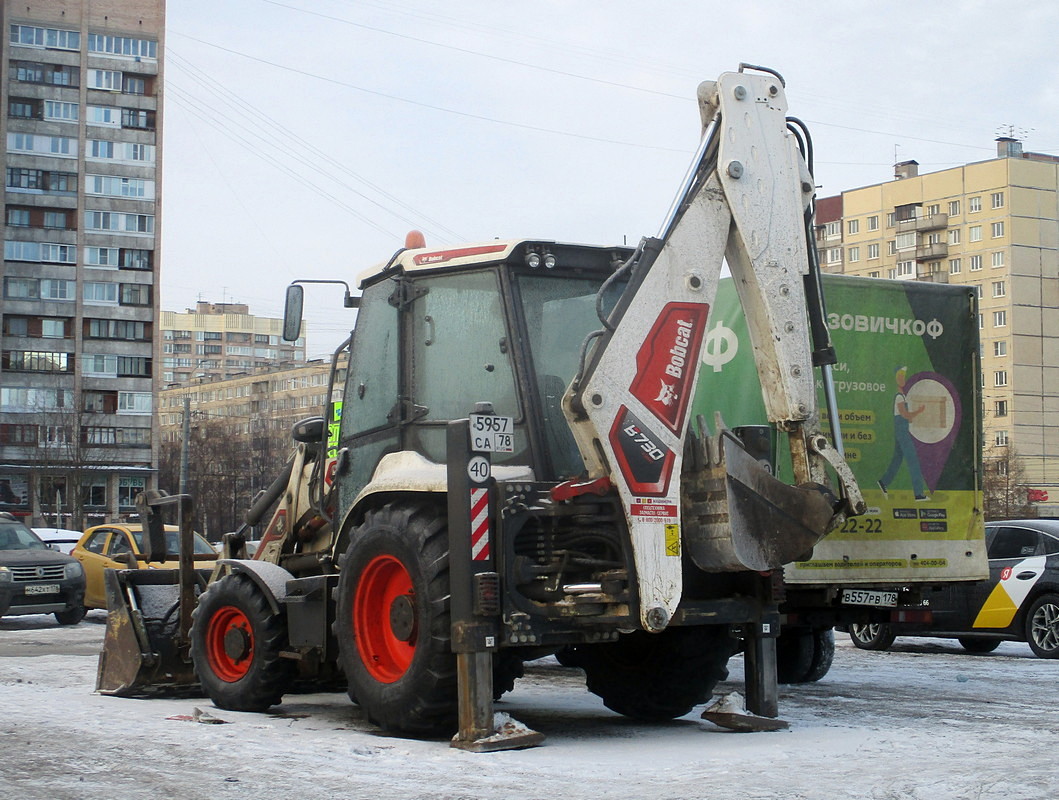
(867,597)
(42,588)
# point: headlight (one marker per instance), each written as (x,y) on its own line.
(5,574)
(74,570)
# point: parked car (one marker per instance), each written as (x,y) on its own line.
(117,546)
(59,539)
(34,579)
(1019,601)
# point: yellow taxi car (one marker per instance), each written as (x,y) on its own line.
(108,547)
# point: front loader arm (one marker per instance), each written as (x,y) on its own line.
(745,200)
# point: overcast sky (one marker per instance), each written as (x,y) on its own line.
(303,138)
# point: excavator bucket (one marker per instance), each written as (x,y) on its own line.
(146,647)
(738,516)
(143,650)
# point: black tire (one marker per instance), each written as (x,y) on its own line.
(1042,626)
(236,643)
(657,676)
(872,636)
(978,644)
(71,616)
(508,667)
(393,620)
(804,656)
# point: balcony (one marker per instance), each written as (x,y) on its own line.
(931,252)
(931,222)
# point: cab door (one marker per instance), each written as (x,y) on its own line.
(92,555)
(1016,563)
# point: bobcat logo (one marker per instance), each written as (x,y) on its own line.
(666,395)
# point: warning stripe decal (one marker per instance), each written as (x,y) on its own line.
(479,524)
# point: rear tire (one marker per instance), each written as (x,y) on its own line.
(393,620)
(71,616)
(804,656)
(657,676)
(873,636)
(1042,626)
(978,644)
(236,643)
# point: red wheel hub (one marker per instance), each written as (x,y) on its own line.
(384,618)
(229,644)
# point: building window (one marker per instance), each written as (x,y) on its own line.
(998,258)
(891,247)
(890,219)
(854,254)
(114,186)
(135,294)
(1000,348)
(955,266)
(998,230)
(1001,438)
(873,223)
(56,289)
(891,273)
(100,293)
(873,251)
(976,233)
(853,226)
(57,111)
(18,217)
(954,208)
(999,289)
(128,488)
(1000,408)
(1000,319)
(109,116)
(1000,377)
(134,402)
(998,199)
(833,229)
(976,263)
(51,38)
(108,80)
(906,268)
(933,209)
(954,236)
(834,255)
(122,46)
(905,241)
(974,204)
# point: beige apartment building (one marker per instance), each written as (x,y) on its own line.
(993,225)
(223,340)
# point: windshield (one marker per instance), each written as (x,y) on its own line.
(16,536)
(560,312)
(172,543)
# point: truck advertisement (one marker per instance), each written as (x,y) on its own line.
(907,388)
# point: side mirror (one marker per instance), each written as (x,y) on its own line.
(292,312)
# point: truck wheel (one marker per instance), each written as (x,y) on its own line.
(978,644)
(873,636)
(1042,626)
(657,676)
(393,619)
(804,656)
(236,643)
(71,616)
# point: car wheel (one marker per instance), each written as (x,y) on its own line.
(978,644)
(873,636)
(236,643)
(1042,626)
(804,656)
(71,616)
(393,620)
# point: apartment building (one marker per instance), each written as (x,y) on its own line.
(223,340)
(81,86)
(993,225)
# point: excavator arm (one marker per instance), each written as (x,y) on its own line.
(745,201)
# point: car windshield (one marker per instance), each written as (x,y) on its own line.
(16,536)
(172,543)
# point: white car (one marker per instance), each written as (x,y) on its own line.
(59,539)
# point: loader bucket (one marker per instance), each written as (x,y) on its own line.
(738,516)
(144,652)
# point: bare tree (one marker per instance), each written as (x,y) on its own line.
(1004,485)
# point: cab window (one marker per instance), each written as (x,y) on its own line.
(1014,543)
(96,542)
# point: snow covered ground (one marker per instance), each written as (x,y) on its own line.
(925,721)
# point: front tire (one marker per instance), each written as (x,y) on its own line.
(872,636)
(236,643)
(393,620)
(657,676)
(1042,626)
(71,616)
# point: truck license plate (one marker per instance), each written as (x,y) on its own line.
(866,597)
(42,588)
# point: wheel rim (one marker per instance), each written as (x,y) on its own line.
(866,633)
(384,618)
(229,644)
(1044,627)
